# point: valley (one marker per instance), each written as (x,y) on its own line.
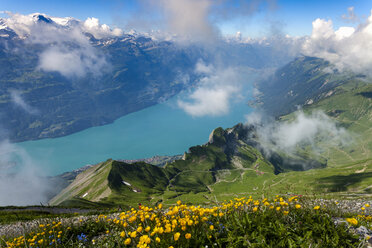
(235,162)
(146,133)
(125,74)
(186,123)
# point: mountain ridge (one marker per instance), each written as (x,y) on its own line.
(301,82)
(202,166)
(140,71)
(234,161)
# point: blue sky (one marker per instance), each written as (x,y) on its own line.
(292,17)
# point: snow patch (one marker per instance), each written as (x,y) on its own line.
(329,93)
(62,21)
(126,183)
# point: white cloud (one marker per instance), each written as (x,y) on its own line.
(348,48)
(204,68)
(189,18)
(69,53)
(24,25)
(19,101)
(21,24)
(302,130)
(256,92)
(254,118)
(20,185)
(92,26)
(67,48)
(214,93)
(208,101)
(72,62)
(305,129)
(197,20)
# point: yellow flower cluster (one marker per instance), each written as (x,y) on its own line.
(172,226)
(143,226)
(352,221)
(48,235)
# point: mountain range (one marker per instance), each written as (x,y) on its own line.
(238,161)
(126,72)
(104,73)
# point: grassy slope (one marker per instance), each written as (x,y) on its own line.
(352,108)
(225,166)
(92,182)
(202,168)
(349,169)
(301,81)
(229,167)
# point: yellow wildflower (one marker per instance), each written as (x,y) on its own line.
(176,236)
(145,239)
(133,234)
(127,241)
(352,221)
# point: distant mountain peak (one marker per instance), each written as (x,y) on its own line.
(24,25)
(41,18)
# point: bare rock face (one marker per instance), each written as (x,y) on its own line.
(210,140)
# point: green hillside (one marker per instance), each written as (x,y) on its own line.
(231,162)
(301,82)
(351,106)
(349,103)
(235,162)
(349,169)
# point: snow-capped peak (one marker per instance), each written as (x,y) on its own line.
(64,21)
(24,25)
(2,24)
(38,17)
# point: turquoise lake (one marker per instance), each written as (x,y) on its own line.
(163,129)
